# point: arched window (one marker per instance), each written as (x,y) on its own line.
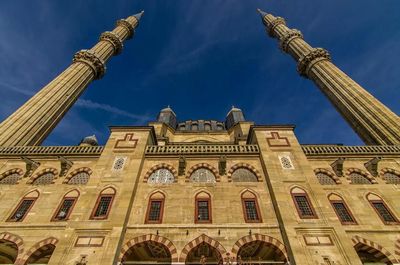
(155,208)
(202,175)
(382,209)
(243,175)
(195,127)
(325,179)
(161,176)
(391,178)
(358,178)
(342,211)
(103,204)
(251,211)
(44,179)
(24,206)
(203,208)
(80,178)
(65,208)
(11,177)
(207,127)
(303,204)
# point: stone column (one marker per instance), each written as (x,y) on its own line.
(375,123)
(34,120)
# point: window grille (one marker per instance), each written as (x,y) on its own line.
(45,179)
(391,178)
(243,175)
(303,206)
(155,211)
(103,206)
(325,179)
(11,179)
(251,210)
(357,178)
(22,210)
(202,175)
(342,212)
(119,163)
(66,207)
(161,176)
(203,211)
(384,212)
(286,162)
(80,178)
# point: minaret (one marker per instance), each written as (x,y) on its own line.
(370,119)
(34,120)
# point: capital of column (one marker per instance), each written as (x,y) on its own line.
(307,61)
(288,37)
(90,58)
(273,24)
(115,41)
(124,23)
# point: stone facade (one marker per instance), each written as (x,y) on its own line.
(197,192)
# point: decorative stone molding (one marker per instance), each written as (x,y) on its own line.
(288,37)
(31,166)
(40,173)
(307,61)
(189,149)
(197,241)
(362,172)
(339,150)
(390,170)
(48,241)
(10,172)
(203,165)
(372,166)
(246,166)
(160,166)
(328,173)
(182,166)
(150,237)
(90,59)
(222,165)
(337,166)
(17,240)
(128,26)
(274,23)
(115,41)
(51,150)
(76,171)
(65,165)
(259,237)
(374,249)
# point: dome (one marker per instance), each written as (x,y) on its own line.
(89,141)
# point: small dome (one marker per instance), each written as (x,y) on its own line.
(168,109)
(89,141)
(233,109)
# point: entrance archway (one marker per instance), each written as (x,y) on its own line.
(148,249)
(203,245)
(8,252)
(372,253)
(257,247)
(41,255)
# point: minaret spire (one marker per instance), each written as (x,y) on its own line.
(34,120)
(370,119)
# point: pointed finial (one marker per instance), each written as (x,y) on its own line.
(262,13)
(138,16)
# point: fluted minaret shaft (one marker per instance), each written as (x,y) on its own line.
(375,123)
(34,120)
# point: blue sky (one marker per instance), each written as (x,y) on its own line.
(201,57)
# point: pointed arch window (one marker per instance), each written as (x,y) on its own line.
(243,175)
(203,212)
(66,206)
(251,210)
(103,204)
(342,210)
(303,204)
(23,207)
(155,208)
(381,208)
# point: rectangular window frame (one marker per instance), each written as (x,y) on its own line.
(396,222)
(259,220)
(19,205)
(159,221)
(54,219)
(92,216)
(196,214)
(348,211)
(314,216)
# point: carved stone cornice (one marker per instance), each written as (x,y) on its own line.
(273,24)
(31,166)
(307,61)
(65,165)
(124,23)
(288,37)
(115,41)
(90,58)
